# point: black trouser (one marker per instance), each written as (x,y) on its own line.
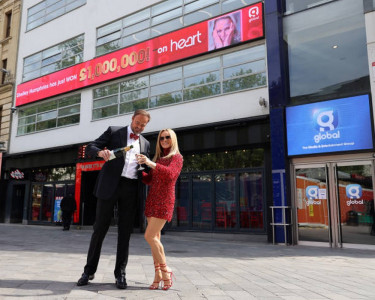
(126,198)
(67,218)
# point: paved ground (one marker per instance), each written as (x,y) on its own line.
(43,262)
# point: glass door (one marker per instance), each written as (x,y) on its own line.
(334,203)
(312,204)
(356,203)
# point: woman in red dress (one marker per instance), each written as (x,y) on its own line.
(165,169)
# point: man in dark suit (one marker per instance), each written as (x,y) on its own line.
(118,182)
(68,206)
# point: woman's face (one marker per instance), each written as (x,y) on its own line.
(165,140)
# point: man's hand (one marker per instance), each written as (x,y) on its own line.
(105,154)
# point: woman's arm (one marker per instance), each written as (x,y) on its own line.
(172,170)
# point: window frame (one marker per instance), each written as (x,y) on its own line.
(99,94)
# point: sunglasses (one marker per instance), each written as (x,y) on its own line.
(168,137)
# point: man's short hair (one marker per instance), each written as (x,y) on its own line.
(143,113)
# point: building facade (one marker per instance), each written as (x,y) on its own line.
(10,16)
(231,77)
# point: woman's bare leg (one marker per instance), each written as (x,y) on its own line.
(152,236)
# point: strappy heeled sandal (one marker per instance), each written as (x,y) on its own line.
(164,269)
(153,286)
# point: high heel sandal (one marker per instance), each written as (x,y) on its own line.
(152,286)
(164,269)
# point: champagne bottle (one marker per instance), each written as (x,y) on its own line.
(119,152)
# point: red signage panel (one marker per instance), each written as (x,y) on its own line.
(239,26)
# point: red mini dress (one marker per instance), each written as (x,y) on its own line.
(162,180)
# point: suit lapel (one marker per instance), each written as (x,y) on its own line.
(124,136)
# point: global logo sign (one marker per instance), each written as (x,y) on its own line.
(312,195)
(253,14)
(326,121)
(354,193)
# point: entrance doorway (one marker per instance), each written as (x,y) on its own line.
(18,199)
(334,203)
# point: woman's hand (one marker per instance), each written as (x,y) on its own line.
(144,160)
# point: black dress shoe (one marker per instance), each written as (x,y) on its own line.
(121,282)
(84,280)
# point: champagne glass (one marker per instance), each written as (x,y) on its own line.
(142,167)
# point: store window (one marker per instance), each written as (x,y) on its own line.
(159,19)
(53,174)
(327,52)
(45,201)
(49,115)
(48,10)
(234,71)
(211,198)
(53,59)
(49,186)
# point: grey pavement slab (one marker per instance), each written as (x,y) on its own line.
(44,262)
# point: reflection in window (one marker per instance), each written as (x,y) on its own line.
(53,59)
(230,201)
(182,202)
(53,174)
(160,19)
(47,10)
(202,202)
(46,197)
(292,6)
(51,114)
(47,200)
(247,158)
(329,65)
(251,200)
(225,216)
(243,69)
(36,201)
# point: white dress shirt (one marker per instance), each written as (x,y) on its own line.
(131,165)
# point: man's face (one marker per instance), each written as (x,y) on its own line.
(139,123)
(223,28)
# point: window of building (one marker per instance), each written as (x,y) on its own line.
(48,115)
(369,5)
(209,197)
(159,19)
(327,52)
(48,10)
(53,59)
(1,117)
(8,23)
(4,64)
(292,6)
(46,198)
(234,71)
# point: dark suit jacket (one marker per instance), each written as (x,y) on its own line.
(109,176)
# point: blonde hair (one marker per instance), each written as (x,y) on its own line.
(174,146)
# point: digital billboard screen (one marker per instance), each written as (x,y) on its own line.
(245,24)
(329,126)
